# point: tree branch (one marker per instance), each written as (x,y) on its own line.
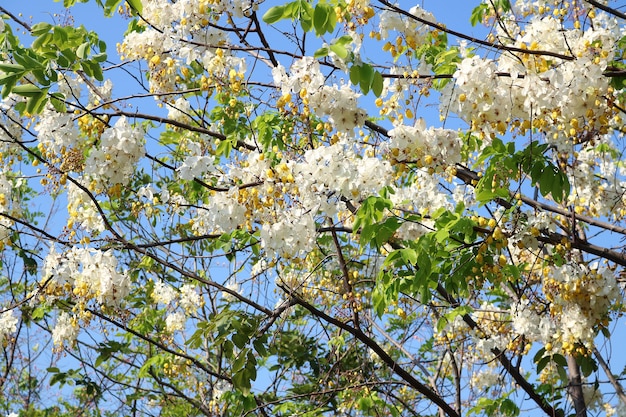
(384,356)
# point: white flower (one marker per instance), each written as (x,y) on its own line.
(83,211)
(190,300)
(8,324)
(114,161)
(147,192)
(180,110)
(233,286)
(195,167)
(219,389)
(293,235)
(175,322)
(163,293)
(340,104)
(65,330)
(92,274)
(223,213)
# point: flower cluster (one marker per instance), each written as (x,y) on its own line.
(599,186)
(291,235)
(114,160)
(57,133)
(432,147)
(196,164)
(328,173)
(86,274)
(339,103)
(82,211)
(6,197)
(223,213)
(566,98)
(8,324)
(65,331)
(180,33)
(414,31)
(581,299)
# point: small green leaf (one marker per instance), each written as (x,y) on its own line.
(320,53)
(320,17)
(40,28)
(274,14)
(135,5)
(340,50)
(355,74)
(324,19)
(377,84)
(27,90)
(81,51)
(344,40)
(366,78)
(11,68)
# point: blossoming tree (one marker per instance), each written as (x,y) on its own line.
(253,209)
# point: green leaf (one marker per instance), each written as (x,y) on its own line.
(135,5)
(320,53)
(274,14)
(82,50)
(340,50)
(11,68)
(366,77)
(27,90)
(377,84)
(36,103)
(156,361)
(355,74)
(320,16)
(40,28)
(324,19)
(478,14)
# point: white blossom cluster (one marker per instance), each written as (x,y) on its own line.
(195,164)
(432,146)
(318,183)
(528,226)
(328,173)
(291,235)
(223,213)
(8,324)
(423,198)
(599,188)
(6,196)
(339,103)
(11,131)
(163,293)
(180,110)
(187,298)
(534,326)
(114,160)
(65,331)
(304,74)
(180,32)
(56,132)
(83,211)
(580,299)
(90,274)
(551,93)
(394,21)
